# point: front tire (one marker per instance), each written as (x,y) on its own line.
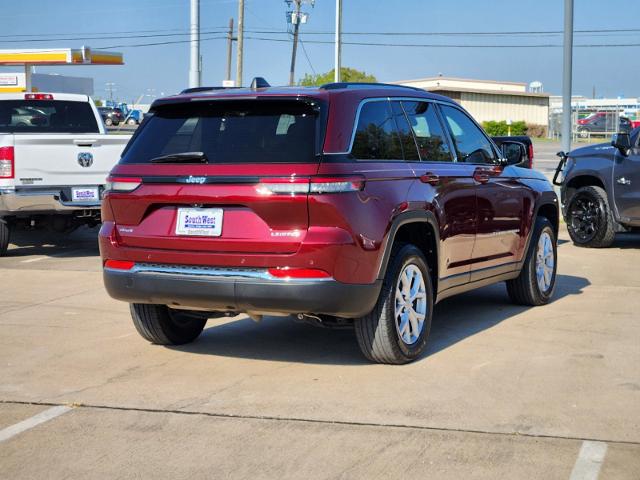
(160,325)
(4,237)
(537,280)
(396,330)
(589,219)
(108,122)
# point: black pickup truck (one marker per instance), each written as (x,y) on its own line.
(600,189)
(526,141)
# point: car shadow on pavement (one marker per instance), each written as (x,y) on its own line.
(281,339)
(626,240)
(82,242)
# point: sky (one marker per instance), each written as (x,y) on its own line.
(163,69)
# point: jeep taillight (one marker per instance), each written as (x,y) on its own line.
(313,185)
(531,155)
(7,162)
(122,184)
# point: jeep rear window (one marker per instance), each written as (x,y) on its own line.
(248,131)
(47,116)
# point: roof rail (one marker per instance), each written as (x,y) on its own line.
(202,89)
(340,85)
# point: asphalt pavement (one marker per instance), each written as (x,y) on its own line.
(502,391)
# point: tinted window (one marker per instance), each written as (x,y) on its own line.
(472,146)
(404,130)
(46,116)
(229,132)
(430,137)
(376,134)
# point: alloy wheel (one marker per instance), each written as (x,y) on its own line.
(410,304)
(545,262)
(585,217)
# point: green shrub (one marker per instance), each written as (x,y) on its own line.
(501,129)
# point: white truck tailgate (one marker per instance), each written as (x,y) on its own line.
(65,159)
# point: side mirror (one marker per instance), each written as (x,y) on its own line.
(622,141)
(513,152)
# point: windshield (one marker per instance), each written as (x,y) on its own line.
(229,131)
(46,116)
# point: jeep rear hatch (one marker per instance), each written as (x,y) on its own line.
(220,175)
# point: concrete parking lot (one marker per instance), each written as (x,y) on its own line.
(503,391)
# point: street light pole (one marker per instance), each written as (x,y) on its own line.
(567,75)
(338,42)
(194,72)
(229,49)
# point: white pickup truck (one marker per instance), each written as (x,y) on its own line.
(55,155)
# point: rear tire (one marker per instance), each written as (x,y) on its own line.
(160,325)
(4,237)
(526,289)
(589,219)
(396,330)
(131,121)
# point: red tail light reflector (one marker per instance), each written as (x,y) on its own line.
(119,264)
(531,155)
(7,162)
(122,184)
(298,273)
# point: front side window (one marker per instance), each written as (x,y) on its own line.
(432,143)
(376,133)
(472,146)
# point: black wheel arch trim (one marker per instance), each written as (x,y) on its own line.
(422,216)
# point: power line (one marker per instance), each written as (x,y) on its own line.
(304,49)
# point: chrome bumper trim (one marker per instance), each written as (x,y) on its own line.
(214,272)
(40,201)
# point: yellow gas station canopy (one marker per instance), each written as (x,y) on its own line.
(60,56)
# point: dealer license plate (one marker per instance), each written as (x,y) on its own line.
(85,194)
(202,222)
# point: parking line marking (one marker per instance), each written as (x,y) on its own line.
(589,461)
(34,421)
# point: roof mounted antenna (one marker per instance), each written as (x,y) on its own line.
(259,82)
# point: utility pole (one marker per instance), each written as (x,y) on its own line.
(338,42)
(240,42)
(229,49)
(567,75)
(110,89)
(195,74)
(295,19)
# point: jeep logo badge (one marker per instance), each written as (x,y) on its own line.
(85,159)
(198,180)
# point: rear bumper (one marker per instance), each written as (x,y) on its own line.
(239,290)
(41,201)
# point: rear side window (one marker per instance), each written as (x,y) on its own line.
(376,133)
(430,137)
(225,131)
(472,146)
(46,116)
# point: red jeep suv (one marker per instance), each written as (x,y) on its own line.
(345,205)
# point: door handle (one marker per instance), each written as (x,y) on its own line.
(481,176)
(623,181)
(81,142)
(430,178)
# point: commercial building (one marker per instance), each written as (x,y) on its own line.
(490,100)
(42,82)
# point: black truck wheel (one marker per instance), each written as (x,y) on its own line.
(397,328)
(4,237)
(536,282)
(589,219)
(164,326)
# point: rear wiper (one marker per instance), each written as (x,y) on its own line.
(185,157)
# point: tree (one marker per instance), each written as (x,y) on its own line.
(348,75)
(98,102)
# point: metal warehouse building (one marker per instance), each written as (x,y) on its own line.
(490,100)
